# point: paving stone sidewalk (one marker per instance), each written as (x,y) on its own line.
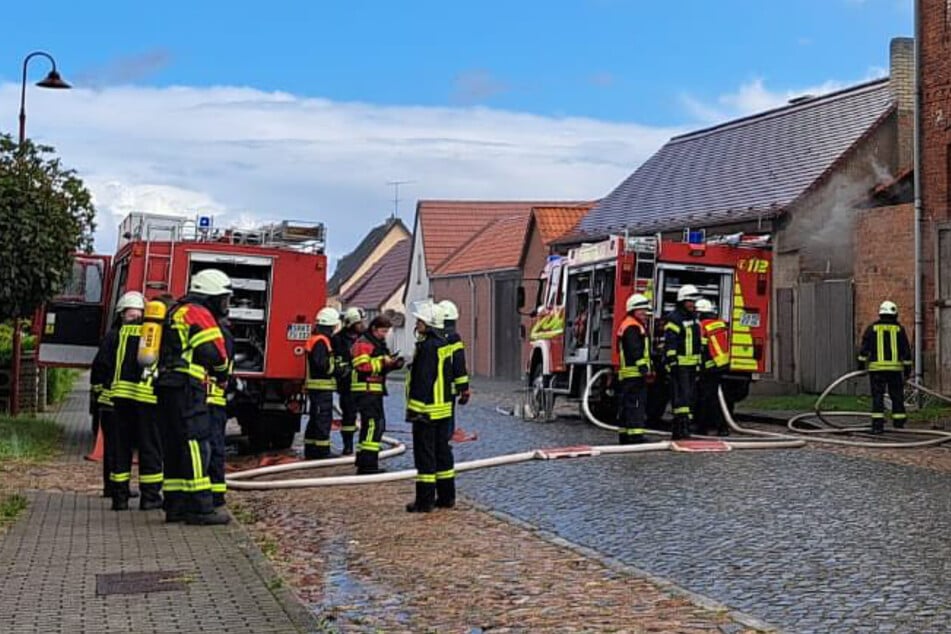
(52,559)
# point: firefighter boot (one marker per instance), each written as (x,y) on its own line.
(425,498)
(120,496)
(622,438)
(174,507)
(347,437)
(324,453)
(878,426)
(215,518)
(151,499)
(678,430)
(218,500)
(636,439)
(446,493)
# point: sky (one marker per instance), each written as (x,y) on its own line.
(253,111)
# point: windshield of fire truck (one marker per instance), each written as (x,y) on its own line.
(554,293)
(84,285)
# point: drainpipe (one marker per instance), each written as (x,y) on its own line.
(472,319)
(491,320)
(919,308)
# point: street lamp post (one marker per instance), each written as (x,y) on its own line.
(52,80)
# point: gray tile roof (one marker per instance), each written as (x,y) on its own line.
(741,170)
(348,264)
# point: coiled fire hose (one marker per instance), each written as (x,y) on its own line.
(938,437)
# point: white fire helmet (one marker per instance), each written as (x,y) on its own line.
(688,292)
(328,317)
(132,299)
(353,315)
(705,306)
(429,313)
(449,309)
(888,308)
(211,282)
(637,302)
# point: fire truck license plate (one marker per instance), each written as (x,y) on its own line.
(750,319)
(298,332)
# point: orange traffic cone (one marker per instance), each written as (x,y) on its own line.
(96,454)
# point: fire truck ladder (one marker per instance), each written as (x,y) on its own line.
(645,249)
(172,230)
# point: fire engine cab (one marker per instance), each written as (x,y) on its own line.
(580,306)
(278,273)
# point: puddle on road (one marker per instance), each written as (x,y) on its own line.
(351,601)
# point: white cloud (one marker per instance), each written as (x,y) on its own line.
(753,96)
(240,152)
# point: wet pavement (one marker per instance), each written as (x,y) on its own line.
(807,540)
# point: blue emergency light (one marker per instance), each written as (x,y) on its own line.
(204,222)
(696,236)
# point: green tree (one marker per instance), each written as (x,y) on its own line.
(46,215)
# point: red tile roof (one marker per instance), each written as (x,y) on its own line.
(555,222)
(496,247)
(449,224)
(382,280)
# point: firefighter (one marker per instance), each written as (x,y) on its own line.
(886,354)
(634,352)
(429,409)
(460,382)
(218,414)
(682,358)
(193,352)
(135,420)
(715,353)
(101,405)
(342,341)
(320,385)
(372,361)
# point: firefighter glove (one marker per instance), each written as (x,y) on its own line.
(464,397)
(396,362)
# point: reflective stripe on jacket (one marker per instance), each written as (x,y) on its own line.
(682,339)
(430,379)
(885,347)
(633,345)
(320,364)
(716,341)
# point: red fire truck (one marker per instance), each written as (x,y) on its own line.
(278,273)
(580,306)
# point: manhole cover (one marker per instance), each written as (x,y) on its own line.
(141,582)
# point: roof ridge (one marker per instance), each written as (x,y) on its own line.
(856,89)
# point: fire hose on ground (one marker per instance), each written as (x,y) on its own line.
(804,434)
(245,480)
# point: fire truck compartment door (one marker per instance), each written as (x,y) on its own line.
(71,323)
(220,258)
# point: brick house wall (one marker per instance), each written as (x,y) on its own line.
(883,267)
(935,45)
(472,295)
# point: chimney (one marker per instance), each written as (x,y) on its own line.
(901,82)
(901,72)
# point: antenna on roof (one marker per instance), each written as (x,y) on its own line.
(396,195)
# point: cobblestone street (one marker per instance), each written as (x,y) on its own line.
(808,540)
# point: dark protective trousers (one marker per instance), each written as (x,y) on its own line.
(106,416)
(632,410)
(683,381)
(216,463)
(186,429)
(432,456)
(135,424)
(709,415)
(348,418)
(372,426)
(892,382)
(320,419)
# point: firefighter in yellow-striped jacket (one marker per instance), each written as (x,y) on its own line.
(372,360)
(715,355)
(460,382)
(429,409)
(218,415)
(135,420)
(320,385)
(634,355)
(682,358)
(886,354)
